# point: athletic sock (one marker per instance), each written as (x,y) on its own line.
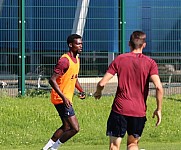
(56,144)
(48,145)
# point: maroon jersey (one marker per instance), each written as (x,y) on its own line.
(63,65)
(133,71)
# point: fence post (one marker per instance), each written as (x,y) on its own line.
(21,47)
(122,25)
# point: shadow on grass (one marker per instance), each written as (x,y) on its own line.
(174,99)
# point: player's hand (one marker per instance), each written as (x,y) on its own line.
(158,115)
(67,102)
(82,95)
(97,95)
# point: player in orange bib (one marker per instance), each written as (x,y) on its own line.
(63,82)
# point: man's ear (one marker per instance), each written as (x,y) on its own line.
(144,45)
(70,44)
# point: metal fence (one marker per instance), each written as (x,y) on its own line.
(33,36)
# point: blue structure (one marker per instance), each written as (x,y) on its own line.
(49,22)
(9,24)
(161,22)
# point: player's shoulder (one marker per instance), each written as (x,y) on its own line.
(140,55)
(64,58)
(124,55)
(66,55)
(147,57)
(149,60)
(120,57)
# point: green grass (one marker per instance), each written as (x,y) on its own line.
(147,146)
(27,123)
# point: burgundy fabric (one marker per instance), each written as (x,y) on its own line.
(133,71)
(63,65)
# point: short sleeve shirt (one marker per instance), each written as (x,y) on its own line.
(133,71)
(63,65)
(67,68)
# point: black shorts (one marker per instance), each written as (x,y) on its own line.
(118,125)
(63,111)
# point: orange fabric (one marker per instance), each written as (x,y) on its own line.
(67,81)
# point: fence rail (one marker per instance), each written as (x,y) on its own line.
(33,36)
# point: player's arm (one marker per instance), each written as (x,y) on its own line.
(101,84)
(82,94)
(59,70)
(54,85)
(159,96)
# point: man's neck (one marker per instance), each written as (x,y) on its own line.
(72,54)
(137,50)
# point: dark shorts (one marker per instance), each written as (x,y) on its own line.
(118,125)
(63,111)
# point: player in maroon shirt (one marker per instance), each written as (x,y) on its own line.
(134,71)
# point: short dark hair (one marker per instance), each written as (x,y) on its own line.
(71,38)
(137,39)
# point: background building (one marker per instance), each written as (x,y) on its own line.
(33,33)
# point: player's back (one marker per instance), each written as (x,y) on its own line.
(133,71)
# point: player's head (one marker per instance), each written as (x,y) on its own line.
(72,37)
(74,42)
(137,40)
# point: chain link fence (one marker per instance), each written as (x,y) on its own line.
(48,23)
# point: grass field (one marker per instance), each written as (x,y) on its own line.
(147,146)
(27,123)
